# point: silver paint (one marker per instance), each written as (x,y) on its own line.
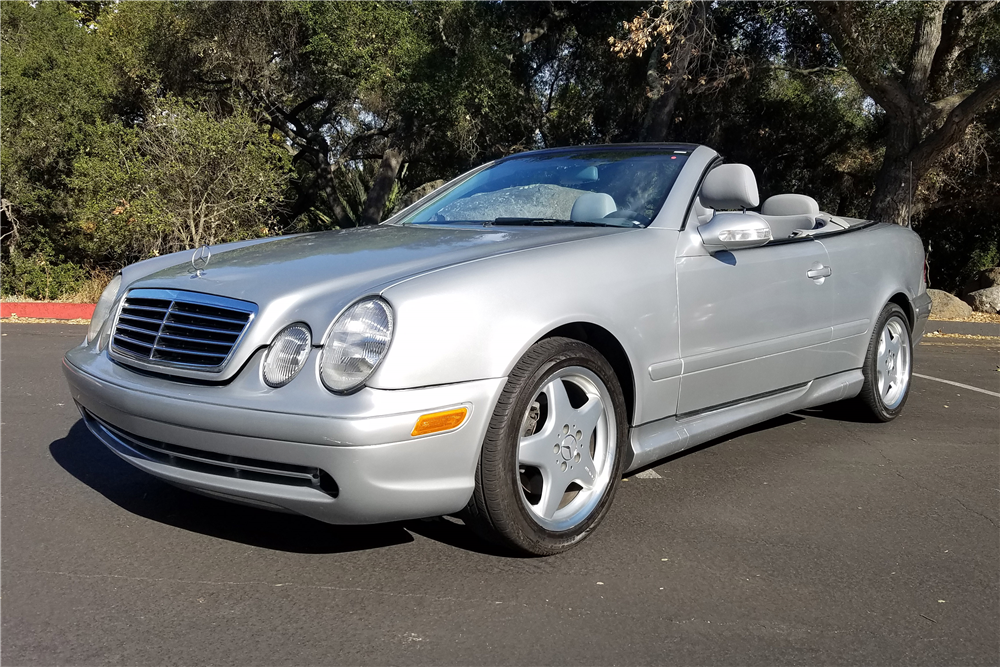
(713,342)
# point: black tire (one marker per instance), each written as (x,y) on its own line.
(872,399)
(500,509)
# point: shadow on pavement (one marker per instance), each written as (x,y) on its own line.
(842,411)
(89,461)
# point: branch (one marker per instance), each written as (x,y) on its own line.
(532,34)
(958,120)
(977,10)
(946,104)
(811,70)
(347,153)
(303,105)
(959,17)
(926,38)
(837,20)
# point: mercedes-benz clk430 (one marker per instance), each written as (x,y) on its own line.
(504,349)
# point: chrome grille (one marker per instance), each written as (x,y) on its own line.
(174,328)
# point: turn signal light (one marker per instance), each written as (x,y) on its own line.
(440,421)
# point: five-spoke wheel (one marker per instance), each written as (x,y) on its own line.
(554,450)
(566,448)
(888,365)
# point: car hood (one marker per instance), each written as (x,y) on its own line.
(354,261)
(311,278)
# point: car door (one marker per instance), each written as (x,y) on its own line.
(751,321)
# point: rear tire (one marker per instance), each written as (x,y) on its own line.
(554,451)
(888,365)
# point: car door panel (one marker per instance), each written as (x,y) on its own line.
(751,322)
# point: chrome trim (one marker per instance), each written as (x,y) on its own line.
(176,296)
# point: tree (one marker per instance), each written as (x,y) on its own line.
(686,57)
(931,81)
(56,82)
(180,180)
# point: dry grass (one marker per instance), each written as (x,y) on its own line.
(989,318)
(41,320)
(938,334)
(90,291)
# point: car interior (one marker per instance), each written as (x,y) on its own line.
(733,187)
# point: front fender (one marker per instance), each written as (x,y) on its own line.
(477,319)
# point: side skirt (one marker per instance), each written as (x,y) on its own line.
(665,437)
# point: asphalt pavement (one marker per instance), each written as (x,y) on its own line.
(812,539)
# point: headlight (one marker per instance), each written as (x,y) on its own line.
(359,340)
(103,307)
(287,354)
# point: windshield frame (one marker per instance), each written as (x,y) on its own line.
(687,150)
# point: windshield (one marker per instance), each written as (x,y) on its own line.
(621,188)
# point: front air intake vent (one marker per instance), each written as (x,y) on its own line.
(178,329)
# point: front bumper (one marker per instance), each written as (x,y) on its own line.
(299,448)
(921,313)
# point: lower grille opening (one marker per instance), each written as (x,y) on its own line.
(240,467)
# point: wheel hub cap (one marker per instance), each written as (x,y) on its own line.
(568,450)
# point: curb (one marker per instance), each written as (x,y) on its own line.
(48,311)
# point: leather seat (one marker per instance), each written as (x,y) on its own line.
(592,207)
(789,213)
(790,205)
(730,187)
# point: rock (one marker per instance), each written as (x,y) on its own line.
(985,300)
(946,306)
(985,279)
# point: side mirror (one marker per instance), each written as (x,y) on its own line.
(734,231)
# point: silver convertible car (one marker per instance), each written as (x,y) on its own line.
(504,349)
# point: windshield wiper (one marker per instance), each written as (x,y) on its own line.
(551,222)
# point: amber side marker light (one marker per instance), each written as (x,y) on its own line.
(440,421)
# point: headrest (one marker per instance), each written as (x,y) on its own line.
(789,205)
(729,187)
(592,207)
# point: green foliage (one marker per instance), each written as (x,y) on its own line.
(40,276)
(182,179)
(130,129)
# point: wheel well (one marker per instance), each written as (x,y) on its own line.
(604,342)
(903,302)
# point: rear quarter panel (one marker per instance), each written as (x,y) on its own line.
(870,266)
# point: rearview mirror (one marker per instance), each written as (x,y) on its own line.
(734,231)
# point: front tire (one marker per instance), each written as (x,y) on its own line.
(554,450)
(888,365)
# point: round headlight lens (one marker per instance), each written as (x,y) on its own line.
(357,343)
(103,307)
(286,355)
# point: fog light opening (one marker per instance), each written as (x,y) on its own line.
(328,485)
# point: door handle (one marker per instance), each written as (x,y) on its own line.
(821,272)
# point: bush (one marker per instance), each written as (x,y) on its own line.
(39,277)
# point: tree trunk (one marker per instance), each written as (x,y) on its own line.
(660,116)
(891,201)
(666,90)
(382,187)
